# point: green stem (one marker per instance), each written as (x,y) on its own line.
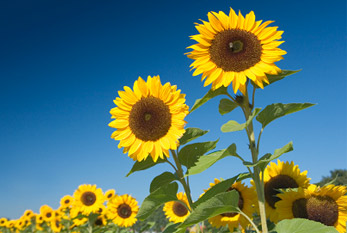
(181,179)
(250,220)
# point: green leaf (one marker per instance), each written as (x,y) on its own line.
(274,78)
(189,154)
(171,227)
(148,226)
(157,198)
(145,164)
(299,225)
(191,134)
(216,189)
(163,179)
(264,161)
(221,203)
(274,111)
(209,95)
(207,161)
(226,106)
(232,126)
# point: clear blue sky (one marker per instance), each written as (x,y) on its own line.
(62,63)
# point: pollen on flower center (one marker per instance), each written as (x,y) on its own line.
(275,183)
(322,209)
(150,119)
(124,211)
(88,198)
(179,209)
(235,50)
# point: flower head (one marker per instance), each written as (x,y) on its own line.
(88,199)
(175,211)
(122,210)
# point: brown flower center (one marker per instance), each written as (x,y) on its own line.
(240,204)
(98,222)
(150,119)
(235,50)
(321,209)
(124,211)
(179,209)
(109,195)
(275,183)
(48,215)
(88,198)
(67,201)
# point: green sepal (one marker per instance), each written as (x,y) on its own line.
(206,161)
(145,164)
(274,111)
(191,134)
(300,225)
(190,154)
(155,199)
(226,106)
(221,203)
(277,77)
(209,95)
(163,179)
(232,126)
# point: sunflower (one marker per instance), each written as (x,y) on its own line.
(28,214)
(66,201)
(56,225)
(109,194)
(282,175)
(327,205)
(149,119)
(88,198)
(77,217)
(176,211)
(3,222)
(232,48)
(47,213)
(122,210)
(246,199)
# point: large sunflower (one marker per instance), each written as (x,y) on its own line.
(246,199)
(88,198)
(282,175)
(327,205)
(122,210)
(232,48)
(149,119)
(175,211)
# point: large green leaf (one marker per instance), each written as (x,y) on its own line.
(221,203)
(274,111)
(274,78)
(263,161)
(299,225)
(191,134)
(157,198)
(209,95)
(171,227)
(145,164)
(226,106)
(207,161)
(163,179)
(189,154)
(232,126)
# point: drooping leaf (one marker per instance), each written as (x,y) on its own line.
(274,111)
(157,198)
(225,202)
(191,134)
(299,225)
(161,180)
(171,227)
(209,95)
(274,78)
(232,126)
(189,154)
(226,106)
(207,161)
(145,164)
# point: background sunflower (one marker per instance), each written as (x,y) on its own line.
(122,210)
(88,199)
(175,211)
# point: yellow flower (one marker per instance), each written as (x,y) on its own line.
(246,199)
(3,222)
(280,176)
(77,217)
(232,48)
(122,210)
(88,198)
(109,194)
(149,119)
(28,214)
(176,211)
(47,213)
(327,205)
(66,201)
(56,225)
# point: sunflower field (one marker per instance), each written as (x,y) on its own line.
(236,55)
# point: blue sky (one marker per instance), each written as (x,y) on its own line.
(62,63)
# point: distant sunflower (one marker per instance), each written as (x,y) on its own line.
(66,201)
(282,175)
(327,205)
(56,225)
(109,194)
(3,222)
(77,217)
(47,213)
(175,211)
(232,48)
(149,119)
(246,199)
(122,210)
(88,198)
(28,214)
